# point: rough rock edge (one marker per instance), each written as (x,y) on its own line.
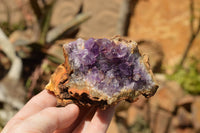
(86,95)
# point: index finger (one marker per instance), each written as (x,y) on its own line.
(42,100)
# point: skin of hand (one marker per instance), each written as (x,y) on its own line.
(40,115)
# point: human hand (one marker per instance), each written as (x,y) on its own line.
(40,115)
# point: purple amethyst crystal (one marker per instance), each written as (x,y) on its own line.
(101,73)
(109,66)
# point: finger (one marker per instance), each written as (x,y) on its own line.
(43,100)
(84,120)
(101,121)
(50,119)
(36,104)
(82,115)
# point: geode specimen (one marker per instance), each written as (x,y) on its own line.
(101,73)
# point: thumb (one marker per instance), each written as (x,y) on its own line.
(50,119)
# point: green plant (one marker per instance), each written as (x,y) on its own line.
(188,78)
(8,28)
(140,126)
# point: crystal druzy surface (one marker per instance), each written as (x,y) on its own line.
(102,72)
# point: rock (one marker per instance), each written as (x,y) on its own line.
(186,102)
(122,106)
(173,125)
(132,114)
(122,125)
(161,79)
(150,21)
(149,113)
(186,130)
(10,7)
(184,118)
(64,11)
(162,121)
(188,99)
(105,20)
(101,65)
(175,128)
(161,106)
(113,126)
(196,114)
(122,114)
(155,53)
(167,96)
(140,102)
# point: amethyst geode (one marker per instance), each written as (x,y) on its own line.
(102,72)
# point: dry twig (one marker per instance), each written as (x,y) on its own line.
(10,87)
(193,32)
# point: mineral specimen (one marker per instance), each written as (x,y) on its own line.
(101,73)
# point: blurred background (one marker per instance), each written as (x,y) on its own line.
(32,33)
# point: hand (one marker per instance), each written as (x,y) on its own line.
(40,115)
